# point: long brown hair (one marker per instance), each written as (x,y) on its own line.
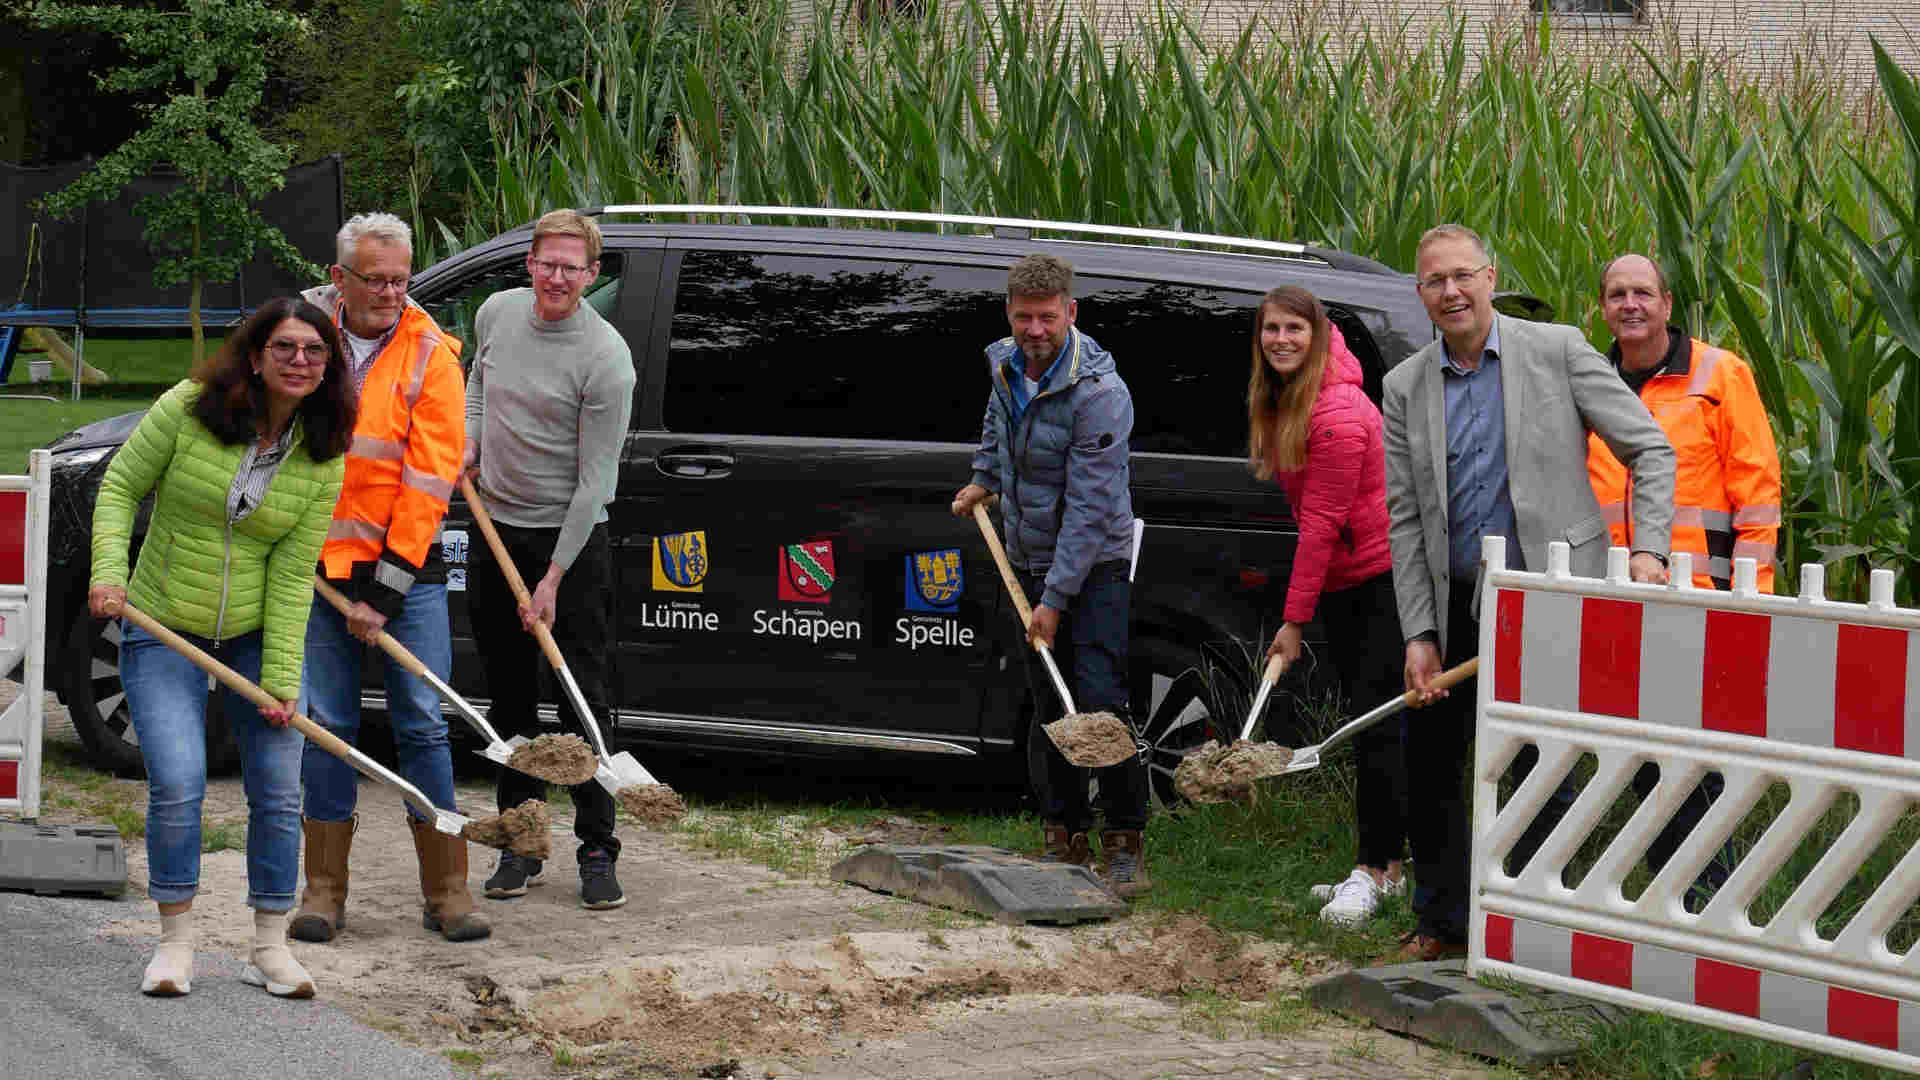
(235,399)
(1278,408)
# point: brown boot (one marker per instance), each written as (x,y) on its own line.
(1126,856)
(447,905)
(323,904)
(1062,846)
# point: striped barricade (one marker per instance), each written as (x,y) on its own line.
(23,619)
(1803,705)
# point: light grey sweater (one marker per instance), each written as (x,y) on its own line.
(547,405)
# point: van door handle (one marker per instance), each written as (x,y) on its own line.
(695,464)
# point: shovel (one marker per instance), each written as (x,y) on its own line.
(1308,757)
(616,771)
(1272,675)
(445,821)
(497,749)
(1025,610)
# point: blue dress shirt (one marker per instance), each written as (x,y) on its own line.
(1478,500)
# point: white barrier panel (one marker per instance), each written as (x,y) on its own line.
(1822,697)
(23,619)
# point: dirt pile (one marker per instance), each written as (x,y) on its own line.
(557,759)
(1215,773)
(787,1001)
(523,830)
(653,804)
(1095,739)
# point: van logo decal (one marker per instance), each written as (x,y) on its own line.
(680,561)
(933,581)
(806,572)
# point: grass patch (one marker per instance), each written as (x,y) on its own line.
(29,425)
(471,1060)
(1218,1016)
(152,358)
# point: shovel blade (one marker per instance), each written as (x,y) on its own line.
(1302,761)
(496,752)
(449,822)
(517,742)
(630,769)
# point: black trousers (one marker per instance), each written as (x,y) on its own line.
(516,669)
(1439,745)
(1091,651)
(1363,635)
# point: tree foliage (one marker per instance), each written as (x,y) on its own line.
(207,60)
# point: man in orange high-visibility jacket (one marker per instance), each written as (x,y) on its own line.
(383,552)
(1727,486)
(1726,498)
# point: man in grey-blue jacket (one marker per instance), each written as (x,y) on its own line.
(1053,446)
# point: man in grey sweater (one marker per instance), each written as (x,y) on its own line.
(548,399)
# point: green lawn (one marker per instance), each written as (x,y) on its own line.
(140,369)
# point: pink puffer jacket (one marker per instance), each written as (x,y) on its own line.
(1340,498)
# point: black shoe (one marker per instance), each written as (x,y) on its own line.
(513,875)
(599,889)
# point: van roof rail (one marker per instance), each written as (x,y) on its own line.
(1002,226)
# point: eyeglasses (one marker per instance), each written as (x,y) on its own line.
(295,354)
(1460,278)
(379,284)
(548,268)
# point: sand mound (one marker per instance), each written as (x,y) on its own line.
(557,759)
(1215,773)
(1095,740)
(653,804)
(523,830)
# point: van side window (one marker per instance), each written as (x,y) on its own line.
(828,347)
(454,309)
(1184,352)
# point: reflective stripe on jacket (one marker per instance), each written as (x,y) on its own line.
(403,464)
(1727,483)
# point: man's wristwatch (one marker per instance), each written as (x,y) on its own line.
(1655,554)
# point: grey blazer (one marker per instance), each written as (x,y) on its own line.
(1556,388)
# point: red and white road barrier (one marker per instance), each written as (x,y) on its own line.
(1820,696)
(23,618)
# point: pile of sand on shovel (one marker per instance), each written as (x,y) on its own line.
(523,830)
(653,804)
(1215,773)
(1094,739)
(557,759)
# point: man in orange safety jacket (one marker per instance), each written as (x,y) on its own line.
(1727,485)
(383,552)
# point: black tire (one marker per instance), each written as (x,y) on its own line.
(98,706)
(1176,709)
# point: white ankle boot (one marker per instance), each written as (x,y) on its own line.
(170,972)
(271,964)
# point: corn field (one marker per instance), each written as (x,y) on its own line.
(1786,209)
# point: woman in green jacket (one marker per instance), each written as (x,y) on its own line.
(244,461)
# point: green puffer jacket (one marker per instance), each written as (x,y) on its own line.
(197,574)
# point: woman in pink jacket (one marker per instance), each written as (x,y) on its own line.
(1313,430)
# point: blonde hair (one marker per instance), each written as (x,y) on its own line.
(1279,408)
(568,223)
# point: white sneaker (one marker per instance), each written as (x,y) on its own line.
(1393,887)
(1354,900)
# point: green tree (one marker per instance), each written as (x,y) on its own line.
(208,59)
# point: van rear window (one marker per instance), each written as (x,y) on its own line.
(831,347)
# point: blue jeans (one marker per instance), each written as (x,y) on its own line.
(330,695)
(167,696)
(1091,650)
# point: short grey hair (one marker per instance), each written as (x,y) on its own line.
(378,226)
(1451,231)
(1040,277)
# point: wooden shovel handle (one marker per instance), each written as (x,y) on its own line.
(387,642)
(483,519)
(1014,590)
(1275,665)
(239,683)
(1447,679)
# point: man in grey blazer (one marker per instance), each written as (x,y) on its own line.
(1486,434)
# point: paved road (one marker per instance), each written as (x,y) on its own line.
(70,1006)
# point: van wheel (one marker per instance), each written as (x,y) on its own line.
(1174,703)
(97,703)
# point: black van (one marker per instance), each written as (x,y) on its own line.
(814,394)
